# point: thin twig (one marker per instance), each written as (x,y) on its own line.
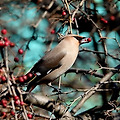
(99,52)
(91,91)
(44,14)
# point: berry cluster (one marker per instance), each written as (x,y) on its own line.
(4,41)
(11,101)
(6,103)
(24,78)
(20,51)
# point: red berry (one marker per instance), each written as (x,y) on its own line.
(12,113)
(17,102)
(21,80)
(1,44)
(4,31)
(3,101)
(4,114)
(16,59)
(12,44)
(104,21)
(4,105)
(16,98)
(22,103)
(20,51)
(53,31)
(64,13)
(25,77)
(3,78)
(5,39)
(30,75)
(6,43)
(89,39)
(1,70)
(112,18)
(29,116)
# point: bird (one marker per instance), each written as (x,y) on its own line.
(57,61)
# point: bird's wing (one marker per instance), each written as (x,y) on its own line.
(49,62)
(45,66)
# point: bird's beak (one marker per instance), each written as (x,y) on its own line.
(83,39)
(80,38)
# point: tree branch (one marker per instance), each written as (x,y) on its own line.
(44,102)
(91,91)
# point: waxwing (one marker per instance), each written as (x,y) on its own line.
(57,61)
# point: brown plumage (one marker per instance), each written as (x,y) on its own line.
(57,61)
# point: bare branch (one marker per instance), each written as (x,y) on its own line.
(92,91)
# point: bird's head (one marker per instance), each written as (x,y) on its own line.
(82,40)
